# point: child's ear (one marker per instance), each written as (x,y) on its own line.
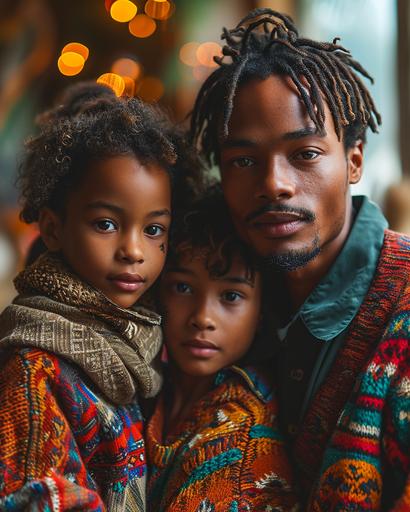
(50,226)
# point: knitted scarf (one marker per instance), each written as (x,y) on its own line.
(57,312)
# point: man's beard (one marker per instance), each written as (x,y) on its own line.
(293,259)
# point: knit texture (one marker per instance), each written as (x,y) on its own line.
(355,438)
(70,423)
(227,456)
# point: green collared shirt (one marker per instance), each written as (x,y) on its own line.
(310,341)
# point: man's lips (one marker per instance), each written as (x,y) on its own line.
(127,282)
(278,224)
(200,347)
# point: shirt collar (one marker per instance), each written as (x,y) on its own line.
(255,378)
(334,302)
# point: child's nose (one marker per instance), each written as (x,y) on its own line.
(131,250)
(202,318)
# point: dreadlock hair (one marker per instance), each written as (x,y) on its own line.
(56,159)
(206,229)
(265,43)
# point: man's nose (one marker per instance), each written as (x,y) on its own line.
(278,182)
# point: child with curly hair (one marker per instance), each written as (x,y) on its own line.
(76,353)
(213,442)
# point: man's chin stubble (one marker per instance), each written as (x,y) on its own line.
(293,259)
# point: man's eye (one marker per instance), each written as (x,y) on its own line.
(243,162)
(182,288)
(154,230)
(309,155)
(231,296)
(105,225)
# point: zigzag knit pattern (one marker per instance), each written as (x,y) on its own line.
(228,456)
(63,447)
(366,465)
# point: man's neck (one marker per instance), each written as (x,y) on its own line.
(301,282)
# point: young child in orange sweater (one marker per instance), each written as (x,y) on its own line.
(213,442)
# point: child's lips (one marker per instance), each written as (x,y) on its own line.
(201,348)
(127,282)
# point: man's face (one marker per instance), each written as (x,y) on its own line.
(286,185)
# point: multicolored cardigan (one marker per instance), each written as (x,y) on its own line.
(61,443)
(227,457)
(353,449)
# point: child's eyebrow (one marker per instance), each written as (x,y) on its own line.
(235,280)
(160,213)
(118,209)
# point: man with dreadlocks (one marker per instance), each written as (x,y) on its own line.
(285,119)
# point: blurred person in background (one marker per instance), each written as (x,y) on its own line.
(285,119)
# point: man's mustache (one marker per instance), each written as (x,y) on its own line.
(307,215)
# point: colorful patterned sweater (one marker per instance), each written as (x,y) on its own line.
(72,367)
(353,448)
(228,456)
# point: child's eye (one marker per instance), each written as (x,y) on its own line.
(231,296)
(243,162)
(105,225)
(154,230)
(183,288)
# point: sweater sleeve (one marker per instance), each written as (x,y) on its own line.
(40,465)
(266,479)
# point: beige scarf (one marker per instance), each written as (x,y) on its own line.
(57,312)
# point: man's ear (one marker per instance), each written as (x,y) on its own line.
(50,226)
(355,162)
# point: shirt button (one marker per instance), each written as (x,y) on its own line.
(296,374)
(292,429)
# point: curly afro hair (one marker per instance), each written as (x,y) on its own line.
(57,158)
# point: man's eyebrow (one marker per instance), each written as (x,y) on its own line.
(237,143)
(303,132)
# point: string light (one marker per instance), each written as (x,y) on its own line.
(79,48)
(116,82)
(206,53)
(126,67)
(159,10)
(142,26)
(123,10)
(187,53)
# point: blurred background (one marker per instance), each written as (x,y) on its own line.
(162,50)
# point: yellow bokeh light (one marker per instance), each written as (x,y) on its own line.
(116,82)
(206,53)
(142,26)
(187,53)
(79,48)
(158,10)
(151,89)
(123,10)
(126,67)
(70,63)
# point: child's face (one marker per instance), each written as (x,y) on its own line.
(115,228)
(210,322)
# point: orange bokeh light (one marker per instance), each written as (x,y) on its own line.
(142,26)
(123,10)
(126,67)
(116,82)
(151,89)
(129,89)
(206,53)
(70,63)
(159,10)
(187,53)
(79,48)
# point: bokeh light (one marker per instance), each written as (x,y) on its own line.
(126,67)
(129,89)
(116,82)
(206,53)
(142,26)
(70,63)
(123,10)
(151,89)
(79,48)
(159,10)
(187,53)
(201,73)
